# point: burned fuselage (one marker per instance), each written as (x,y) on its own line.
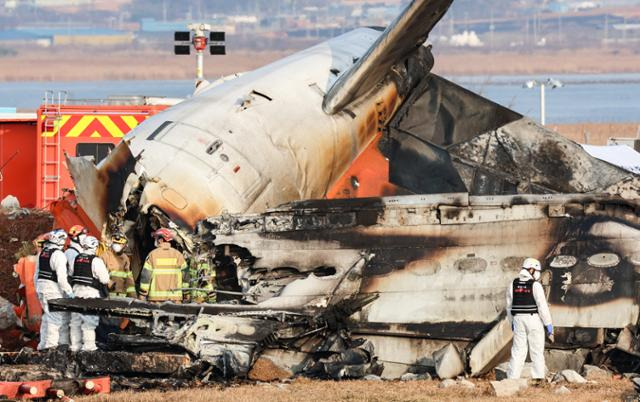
(440,265)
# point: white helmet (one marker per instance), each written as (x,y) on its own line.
(89,243)
(532,263)
(57,237)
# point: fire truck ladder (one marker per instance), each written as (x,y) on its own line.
(51,147)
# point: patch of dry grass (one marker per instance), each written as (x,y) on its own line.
(322,391)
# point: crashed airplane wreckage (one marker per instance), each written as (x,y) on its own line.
(411,279)
(341,289)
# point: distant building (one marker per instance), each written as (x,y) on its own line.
(47,36)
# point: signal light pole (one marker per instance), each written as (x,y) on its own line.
(198,38)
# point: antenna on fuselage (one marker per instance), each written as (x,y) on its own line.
(199,36)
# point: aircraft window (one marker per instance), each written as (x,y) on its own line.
(423,267)
(214,147)
(563,261)
(604,260)
(512,264)
(96,150)
(471,265)
(158,130)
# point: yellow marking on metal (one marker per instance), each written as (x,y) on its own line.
(57,124)
(95,135)
(80,126)
(110,126)
(130,121)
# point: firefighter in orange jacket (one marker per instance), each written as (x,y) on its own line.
(161,276)
(121,282)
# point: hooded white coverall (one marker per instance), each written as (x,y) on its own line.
(528,328)
(53,330)
(70,253)
(83,326)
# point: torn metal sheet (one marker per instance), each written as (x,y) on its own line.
(228,344)
(470,144)
(440,271)
(493,348)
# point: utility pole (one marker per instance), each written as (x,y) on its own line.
(559,28)
(543,109)
(164,10)
(606,30)
(492,28)
(535,29)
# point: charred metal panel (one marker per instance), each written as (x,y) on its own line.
(445,275)
(445,114)
(432,170)
(446,138)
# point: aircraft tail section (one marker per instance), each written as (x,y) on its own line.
(401,38)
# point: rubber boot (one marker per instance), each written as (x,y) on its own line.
(75,333)
(89,340)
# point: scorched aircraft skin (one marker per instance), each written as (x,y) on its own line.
(423,276)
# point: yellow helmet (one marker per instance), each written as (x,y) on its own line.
(119,238)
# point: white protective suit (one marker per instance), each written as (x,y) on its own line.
(70,253)
(53,331)
(83,326)
(528,328)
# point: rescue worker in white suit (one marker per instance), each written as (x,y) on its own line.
(89,277)
(76,233)
(529,315)
(51,283)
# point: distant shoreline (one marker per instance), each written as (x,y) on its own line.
(76,65)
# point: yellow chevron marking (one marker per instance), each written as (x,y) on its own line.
(56,126)
(80,126)
(130,121)
(110,126)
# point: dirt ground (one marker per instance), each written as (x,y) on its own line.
(86,64)
(323,391)
(578,61)
(74,65)
(597,133)
(14,233)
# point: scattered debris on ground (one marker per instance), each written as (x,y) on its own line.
(427,390)
(16,234)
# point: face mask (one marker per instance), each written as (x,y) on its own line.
(536,275)
(117,248)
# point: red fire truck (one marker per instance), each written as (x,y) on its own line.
(33,145)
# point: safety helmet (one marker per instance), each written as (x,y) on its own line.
(57,237)
(164,233)
(119,238)
(77,230)
(90,243)
(41,240)
(532,263)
